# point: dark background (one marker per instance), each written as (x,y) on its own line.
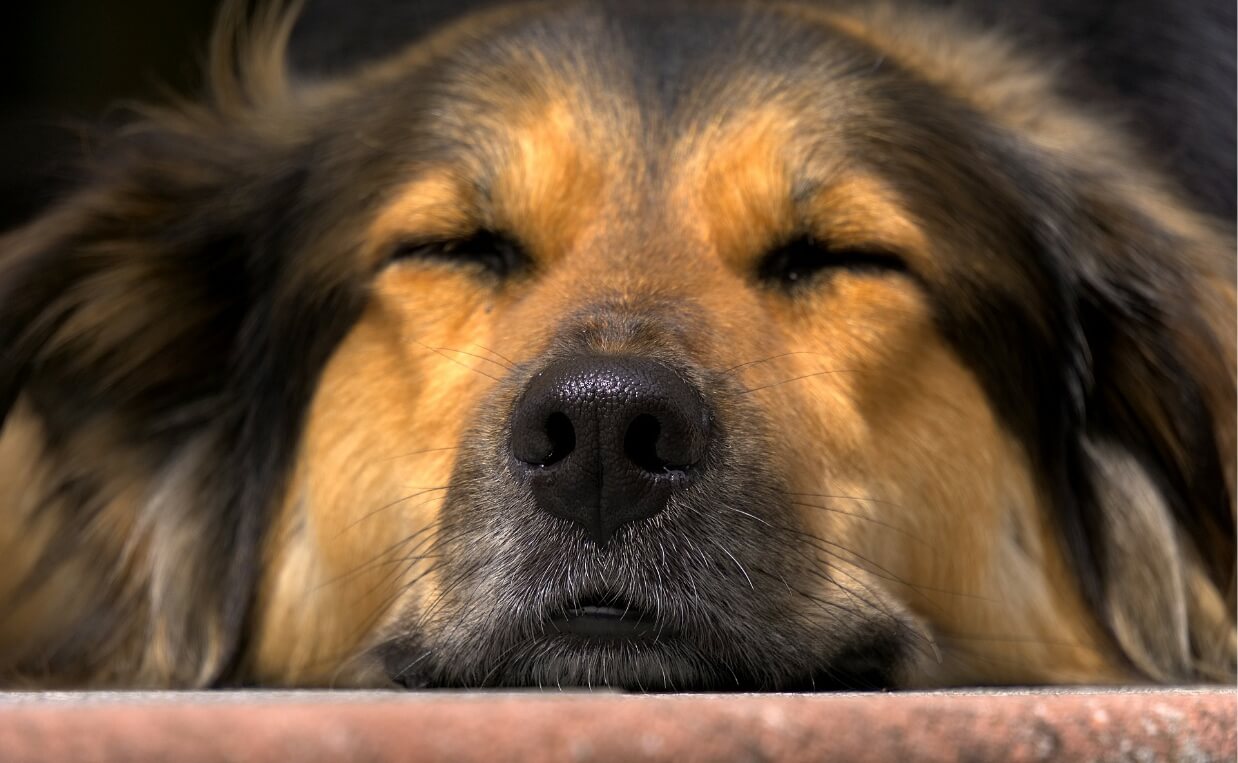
(68,67)
(65,63)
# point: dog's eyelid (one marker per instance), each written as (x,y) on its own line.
(798,259)
(495,251)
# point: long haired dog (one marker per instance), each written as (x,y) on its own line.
(665,346)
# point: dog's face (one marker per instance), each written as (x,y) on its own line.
(710,348)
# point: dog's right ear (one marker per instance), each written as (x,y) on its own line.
(1147,499)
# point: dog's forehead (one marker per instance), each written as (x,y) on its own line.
(632,115)
(642,77)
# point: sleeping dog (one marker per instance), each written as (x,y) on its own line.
(658,345)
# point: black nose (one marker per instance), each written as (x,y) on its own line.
(608,439)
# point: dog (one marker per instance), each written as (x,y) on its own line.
(664,346)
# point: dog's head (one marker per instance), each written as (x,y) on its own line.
(717,347)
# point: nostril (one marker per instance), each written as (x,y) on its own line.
(640,444)
(541,439)
(562,436)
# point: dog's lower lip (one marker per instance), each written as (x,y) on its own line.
(602,622)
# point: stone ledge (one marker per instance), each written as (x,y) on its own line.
(305,727)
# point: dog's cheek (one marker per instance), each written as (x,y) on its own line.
(351,553)
(899,463)
(977,554)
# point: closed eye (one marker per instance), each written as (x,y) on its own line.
(802,259)
(494,252)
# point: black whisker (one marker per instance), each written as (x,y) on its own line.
(734,368)
(505,367)
(396,502)
(863,517)
(498,355)
(445,356)
(417,453)
(798,378)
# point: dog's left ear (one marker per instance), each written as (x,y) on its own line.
(1152,462)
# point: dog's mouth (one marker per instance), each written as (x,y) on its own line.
(604,619)
(610,640)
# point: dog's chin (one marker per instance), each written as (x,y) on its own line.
(595,646)
(667,664)
(567,661)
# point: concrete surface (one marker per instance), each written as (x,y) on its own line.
(305,727)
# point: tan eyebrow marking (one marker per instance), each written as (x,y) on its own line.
(552,183)
(744,190)
(860,209)
(435,205)
(738,185)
